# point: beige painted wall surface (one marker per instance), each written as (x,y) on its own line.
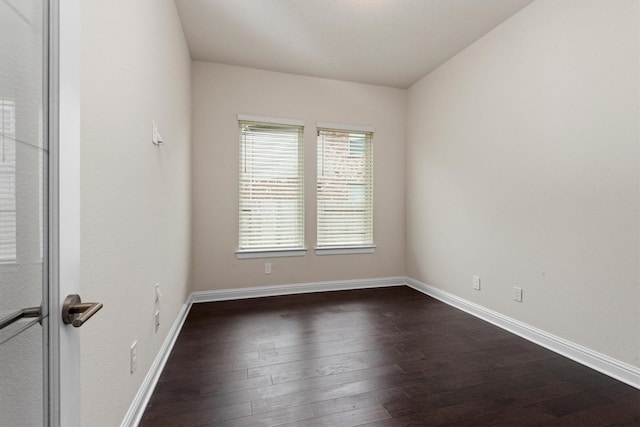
(219,93)
(523,168)
(135,196)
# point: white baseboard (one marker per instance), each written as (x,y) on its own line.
(299,288)
(621,371)
(140,401)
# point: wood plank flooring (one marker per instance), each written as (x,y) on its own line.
(374,357)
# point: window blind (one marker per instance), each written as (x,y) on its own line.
(8,252)
(345,188)
(271,186)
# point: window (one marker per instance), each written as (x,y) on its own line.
(271,187)
(345,189)
(8,252)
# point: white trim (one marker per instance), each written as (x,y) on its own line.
(617,369)
(272,253)
(341,126)
(345,250)
(299,288)
(274,120)
(65,209)
(53,392)
(140,401)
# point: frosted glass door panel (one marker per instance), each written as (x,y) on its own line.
(23,211)
(21,394)
(23,155)
(22,269)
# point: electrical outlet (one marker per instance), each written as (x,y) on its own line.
(476,283)
(133,357)
(267,268)
(517,293)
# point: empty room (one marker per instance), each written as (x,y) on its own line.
(319,212)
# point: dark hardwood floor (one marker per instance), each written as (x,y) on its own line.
(375,357)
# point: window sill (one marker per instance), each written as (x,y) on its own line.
(270,253)
(345,250)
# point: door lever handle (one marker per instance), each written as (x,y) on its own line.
(75,312)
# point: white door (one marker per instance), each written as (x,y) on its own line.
(39,211)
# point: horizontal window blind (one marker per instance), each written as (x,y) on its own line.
(8,250)
(345,188)
(271,186)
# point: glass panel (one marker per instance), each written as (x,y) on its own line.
(21,397)
(21,65)
(22,155)
(22,269)
(23,209)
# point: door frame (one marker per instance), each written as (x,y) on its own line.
(64,386)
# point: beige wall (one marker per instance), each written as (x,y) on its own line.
(523,167)
(135,196)
(219,93)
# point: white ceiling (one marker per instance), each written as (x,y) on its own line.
(382,42)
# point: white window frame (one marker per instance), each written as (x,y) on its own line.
(345,249)
(275,252)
